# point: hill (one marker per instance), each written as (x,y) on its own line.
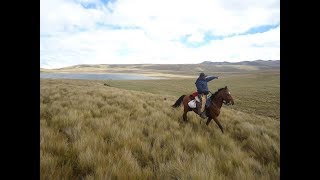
(92,131)
(182,69)
(261,63)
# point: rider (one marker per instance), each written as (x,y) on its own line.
(202,89)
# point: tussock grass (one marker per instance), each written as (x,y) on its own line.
(91,131)
(256,93)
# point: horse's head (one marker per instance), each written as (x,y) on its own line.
(226,96)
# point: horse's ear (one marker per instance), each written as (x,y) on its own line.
(226,87)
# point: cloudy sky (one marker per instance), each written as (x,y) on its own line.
(157,31)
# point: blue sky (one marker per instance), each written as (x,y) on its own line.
(208,36)
(157,31)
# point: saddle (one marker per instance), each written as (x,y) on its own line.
(194,97)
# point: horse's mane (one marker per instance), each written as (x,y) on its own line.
(213,95)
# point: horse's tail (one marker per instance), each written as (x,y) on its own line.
(179,101)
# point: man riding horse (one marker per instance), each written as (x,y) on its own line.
(202,89)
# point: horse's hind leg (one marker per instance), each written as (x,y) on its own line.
(185,115)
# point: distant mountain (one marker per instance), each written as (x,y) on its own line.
(206,66)
(270,63)
(215,63)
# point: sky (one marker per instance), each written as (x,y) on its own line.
(157,31)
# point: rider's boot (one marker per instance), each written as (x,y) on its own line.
(198,107)
(203,115)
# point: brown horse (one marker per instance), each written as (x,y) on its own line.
(222,96)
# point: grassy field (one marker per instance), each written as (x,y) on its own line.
(256,93)
(92,131)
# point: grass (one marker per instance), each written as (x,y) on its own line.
(256,93)
(92,131)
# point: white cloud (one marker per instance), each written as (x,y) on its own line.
(161,24)
(185,16)
(66,15)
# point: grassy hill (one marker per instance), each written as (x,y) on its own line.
(92,131)
(181,69)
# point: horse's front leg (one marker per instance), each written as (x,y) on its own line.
(208,121)
(217,121)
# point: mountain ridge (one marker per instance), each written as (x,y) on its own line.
(250,63)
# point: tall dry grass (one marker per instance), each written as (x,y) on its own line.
(92,131)
(257,93)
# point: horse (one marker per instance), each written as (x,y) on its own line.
(222,96)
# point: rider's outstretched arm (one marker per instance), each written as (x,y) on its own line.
(210,78)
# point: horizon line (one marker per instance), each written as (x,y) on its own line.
(166,63)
